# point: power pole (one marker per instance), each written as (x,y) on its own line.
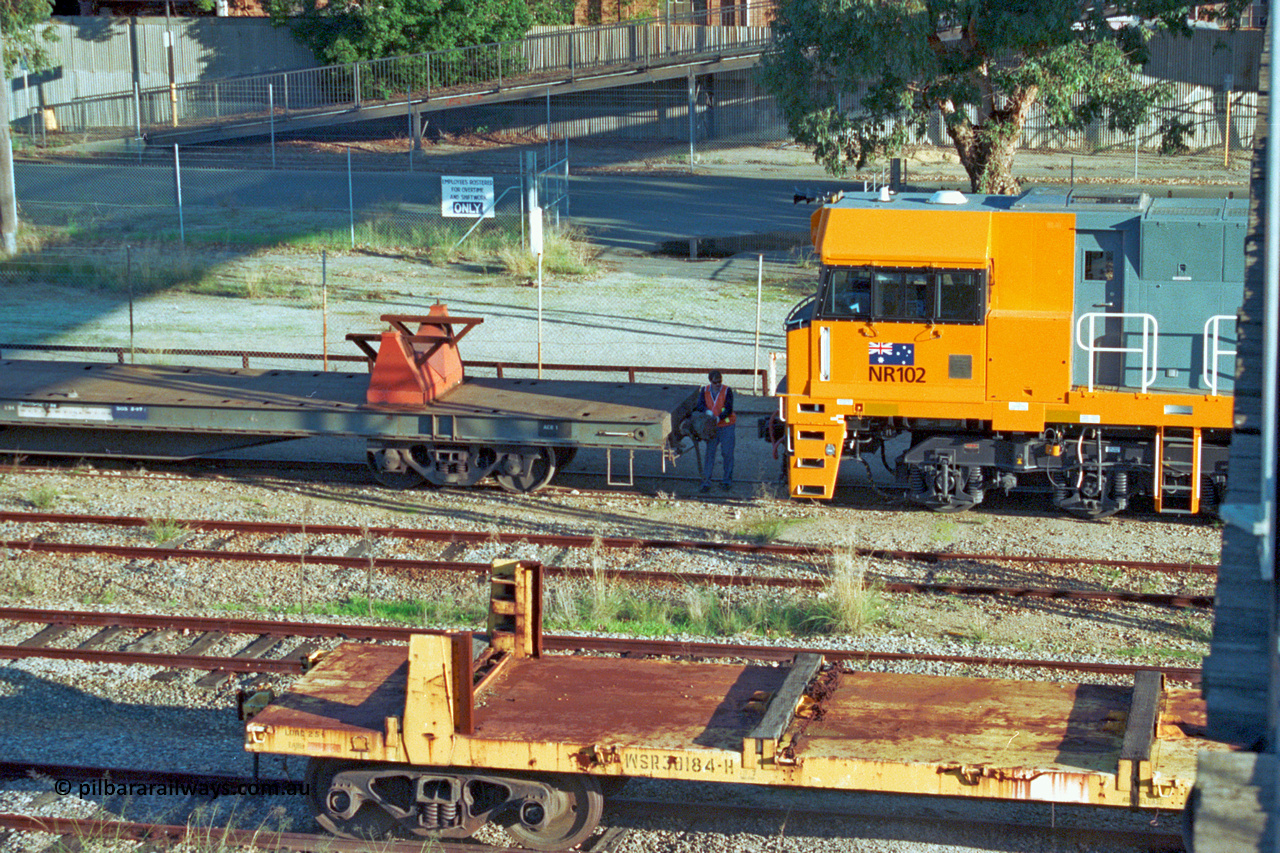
(8,193)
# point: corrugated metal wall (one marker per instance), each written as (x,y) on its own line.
(1208,57)
(91,60)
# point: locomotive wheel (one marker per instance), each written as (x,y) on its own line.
(566,821)
(390,469)
(940,487)
(527,471)
(1093,512)
(951,505)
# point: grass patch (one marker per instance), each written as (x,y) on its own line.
(1162,653)
(162,530)
(410,612)
(766,530)
(848,605)
(565,251)
(42,497)
(1197,626)
(851,603)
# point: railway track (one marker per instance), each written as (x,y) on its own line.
(131,636)
(411,567)
(623,812)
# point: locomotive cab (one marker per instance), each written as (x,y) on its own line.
(1059,340)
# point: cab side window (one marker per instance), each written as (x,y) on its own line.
(848,293)
(960,296)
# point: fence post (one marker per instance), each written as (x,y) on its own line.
(271,107)
(128,274)
(755,359)
(177,186)
(285,79)
(355,84)
(324,306)
(692,106)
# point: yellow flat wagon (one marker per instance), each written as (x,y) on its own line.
(436,739)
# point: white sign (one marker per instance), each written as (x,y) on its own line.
(466,197)
(535,231)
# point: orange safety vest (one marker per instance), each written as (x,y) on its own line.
(716,404)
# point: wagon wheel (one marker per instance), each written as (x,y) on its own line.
(570,817)
(368,823)
(391,470)
(527,471)
(565,455)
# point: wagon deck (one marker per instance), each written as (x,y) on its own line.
(175,412)
(804,725)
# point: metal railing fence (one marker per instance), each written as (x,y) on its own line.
(538,59)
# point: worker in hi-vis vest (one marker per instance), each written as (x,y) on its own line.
(717,401)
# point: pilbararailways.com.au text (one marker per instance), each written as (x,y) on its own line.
(108,788)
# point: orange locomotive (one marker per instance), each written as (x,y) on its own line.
(1073,341)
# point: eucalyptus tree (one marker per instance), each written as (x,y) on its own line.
(979,64)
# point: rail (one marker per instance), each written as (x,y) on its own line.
(500,367)
(538,60)
(1150,339)
(1213,352)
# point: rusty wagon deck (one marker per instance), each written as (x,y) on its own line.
(707,721)
(153,411)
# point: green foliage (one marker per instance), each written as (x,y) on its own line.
(43,497)
(24,37)
(979,64)
(1174,134)
(766,530)
(546,12)
(434,611)
(164,530)
(345,31)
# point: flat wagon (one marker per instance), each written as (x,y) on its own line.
(423,420)
(446,734)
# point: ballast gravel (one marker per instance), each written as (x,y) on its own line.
(76,713)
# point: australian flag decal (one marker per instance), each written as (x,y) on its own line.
(904,354)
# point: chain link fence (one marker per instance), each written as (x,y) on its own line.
(294,310)
(289,245)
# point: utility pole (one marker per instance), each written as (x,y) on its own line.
(8,192)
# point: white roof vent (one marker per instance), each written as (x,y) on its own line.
(948,197)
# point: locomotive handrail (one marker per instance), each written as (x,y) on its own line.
(1212,352)
(1149,348)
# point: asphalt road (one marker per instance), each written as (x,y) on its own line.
(624,210)
(620,210)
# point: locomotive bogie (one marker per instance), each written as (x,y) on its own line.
(1089,474)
